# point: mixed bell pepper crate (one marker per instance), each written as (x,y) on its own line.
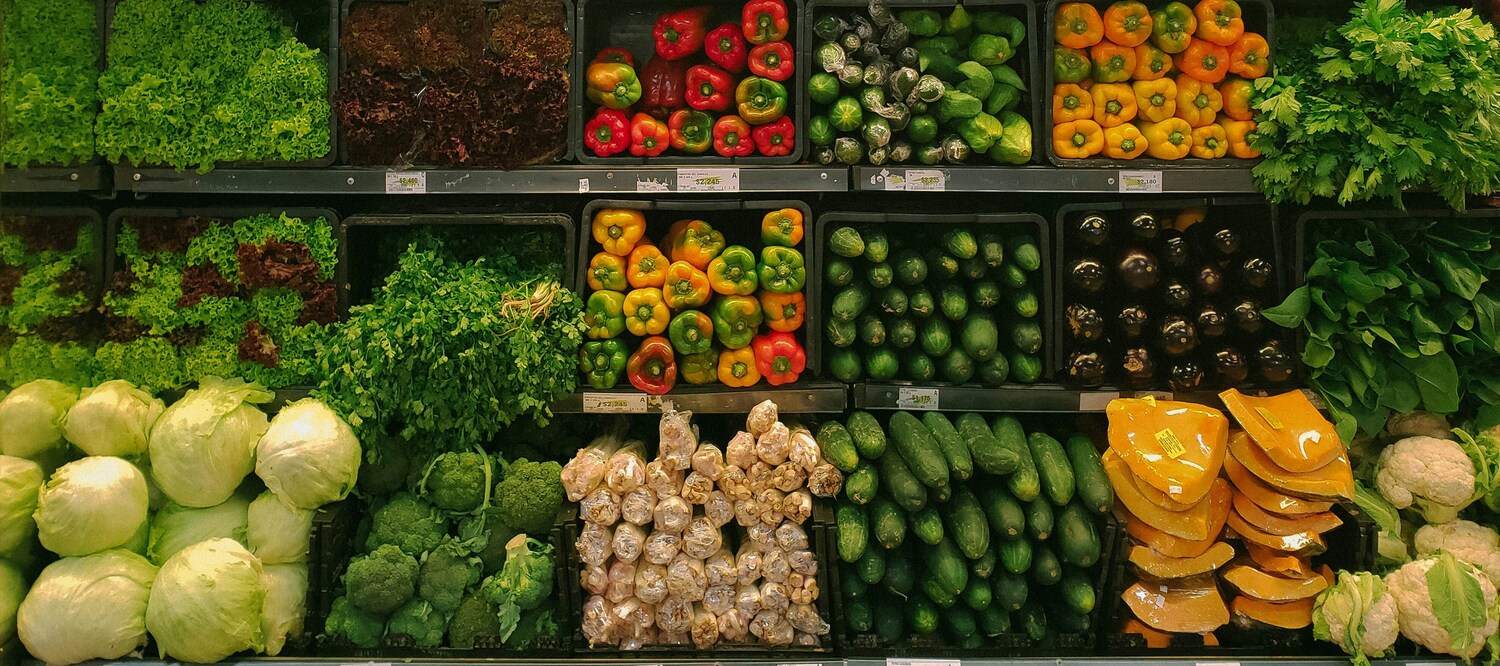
(1153,84)
(675,82)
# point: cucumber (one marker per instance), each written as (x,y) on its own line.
(893,301)
(911,268)
(869,439)
(849,303)
(890,622)
(844,364)
(941,266)
(989,456)
(927,526)
(839,272)
(871,330)
(1024,252)
(871,566)
(985,566)
(918,449)
(972,268)
(837,446)
(1015,555)
(880,275)
(1026,336)
(858,616)
(994,621)
(937,338)
(841,334)
(955,451)
(991,373)
(985,293)
(1076,538)
(952,301)
(1065,621)
(1045,568)
(887,523)
(918,366)
(862,484)
(978,595)
(854,588)
(1012,276)
(1023,482)
(877,248)
(846,242)
(900,572)
(1039,519)
(1052,467)
(920,303)
(853,532)
(1090,481)
(901,332)
(1033,622)
(960,243)
(966,522)
(971,642)
(991,250)
(903,488)
(1011,590)
(957,367)
(942,495)
(1025,368)
(1007,520)
(922,617)
(881,363)
(959,622)
(946,563)
(1077,592)
(980,337)
(938,593)
(1024,303)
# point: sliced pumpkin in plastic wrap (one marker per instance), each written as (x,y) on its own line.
(1160,498)
(1148,562)
(1265,496)
(1195,524)
(1277,562)
(1252,613)
(1335,479)
(1288,428)
(1175,447)
(1164,543)
(1301,543)
(1253,582)
(1154,639)
(1274,523)
(1190,606)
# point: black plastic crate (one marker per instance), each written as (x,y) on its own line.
(1259,17)
(629,25)
(1026,62)
(1245,213)
(827,222)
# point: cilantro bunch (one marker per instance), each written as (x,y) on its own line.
(50,55)
(1391,101)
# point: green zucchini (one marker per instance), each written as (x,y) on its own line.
(955,451)
(862,484)
(871,566)
(846,242)
(920,303)
(911,268)
(849,303)
(890,622)
(854,588)
(837,446)
(960,243)
(980,337)
(877,248)
(1034,622)
(922,617)
(1007,520)
(985,566)
(994,621)
(946,563)
(1092,484)
(1052,467)
(869,439)
(918,449)
(1077,591)
(839,272)
(988,453)
(978,595)
(903,488)
(1039,519)
(1015,555)
(1023,482)
(937,337)
(952,301)
(887,523)
(853,532)
(900,572)
(1045,567)
(880,275)
(1011,590)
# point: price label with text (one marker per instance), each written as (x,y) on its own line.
(1095,401)
(1140,181)
(903,661)
(708,180)
(908,397)
(406,182)
(650,184)
(615,403)
(925,180)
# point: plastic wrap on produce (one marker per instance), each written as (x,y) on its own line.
(674,615)
(720,568)
(635,619)
(774,445)
(766,621)
(627,468)
(806,640)
(762,536)
(638,506)
(696,487)
(747,598)
(651,583)
(628,542)
(748,562)
(735,484)
(708,461)
(761,418)
(679,438)
(594,578)
(797,506)
(802,562)
(705,628)
(598,620)
(718,509)
(673,638)
(586,470)
(672,515)
(718,598)
(776,567)
(791,537)
(788,476)
(759,477)
(747,512)
(702,538)
(825,480)
(621,582)
(797,591)
(686,579)
(805,618)
(770,506)
(663,479)
(740,452)
(774,596)
(804,451)
(600,507)
(734,625)
(661,547)
(595,544)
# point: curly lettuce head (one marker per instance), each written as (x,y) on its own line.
(204,445)
(208,603)
(31,417)
(308,456)
(91,607)
(112,419)
(91,505)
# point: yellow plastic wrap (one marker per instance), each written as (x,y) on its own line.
(1301,543)
(1265,496)
(1195,524)
(1333,480)
(1164,543)
(1175,447)
(1288,428)
(1253,582)
(1277,562)
(1274,523)
(1148,562)
(1289,615)
(1191,606)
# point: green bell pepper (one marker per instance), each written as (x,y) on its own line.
(700,368)
(989,50)
(1070,65)
(981,132)
(760,100)
(958,105)
(602,362)
(691,332)
(782,270)
(733,272)
(604,314)
(736,319)
(978,81)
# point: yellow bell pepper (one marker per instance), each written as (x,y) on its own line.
(1079,25)
(695,242)
(1151,63)
(686,287)
(1071,101)
(1114,104)
(647,267)
(1209,142)
(1078,139)
(1155,100)
(618,230)
(1236,93)
(737,368)
(1237,134)
(646,312)
(1112,63)
(783,312)
(606,272)
(1197,102)
(1124,142)
(1170,139)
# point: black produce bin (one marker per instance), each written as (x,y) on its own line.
(629,25)
(938,223)
(1026,61)
(1253,217)
(1259,17)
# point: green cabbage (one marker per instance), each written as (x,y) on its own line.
(12,590)
(175,527)
(31,417)
(112,419)
(308,456)
(204,445)
(19,481)
(91,505)
(91,607)
(285,605)
(207,603)
(277,533)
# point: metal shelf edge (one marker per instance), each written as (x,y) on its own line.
(1050,179)
(803,398)
(87,178)
(1035,398)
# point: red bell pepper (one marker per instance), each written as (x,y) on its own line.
(775,139)
(608,133)
(663,82)
(653,368)
(614,54)
(778,357)
(764,21)
(709,88)
(773,61)
(725,46)
(732,137)
(680,33)
(691,131)
(648,136)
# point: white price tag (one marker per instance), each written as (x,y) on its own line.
(583,185)
(1218,663)
(1154,395)
(708,180)
(903,661)
(406,182)
(1140,181)
(925,399)
(925,180)
(651,185)
(1095,401)
(615,403)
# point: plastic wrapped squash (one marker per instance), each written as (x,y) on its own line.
(1148,562)
(1265,496)
(1274,523)
(1333,480)
(1253,582)
(1175,447)
(1195,524)
(1191,606)
(1301,543)
(1252,613)
(1288,428)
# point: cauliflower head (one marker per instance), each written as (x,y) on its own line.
(382,581)
(1435,475)
(419,620)
(358,627)
(407,522)
(1468,541)
(447,572)
(1413,424)
(530,495)
(1358,615)
(1438,592)
(458,481)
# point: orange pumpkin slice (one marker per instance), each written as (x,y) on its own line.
(1288,428)
(1273,523)
(1154,639)
(1164,543)
(1189,608)
(1335,479)
(1265,496)
(1151,563)
(1175,447)
(1289,615)
(1160,498)
(1266,587)
(1195,524)
(1302,543)
(1277,562)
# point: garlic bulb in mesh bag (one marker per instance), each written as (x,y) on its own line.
(759,478)
(708,461)
(761,418)
(621,582)
(825,480)
(673,515)
(805,618)
(600,507)
(701,538)
(650,583)
(586,470)
(598,621)
(734,484)
(796,592)
(595,544)
(773,596)
(705,628)
(686,579)
(747,512)
(696,488)
(776,567)
(749,561)
(791,536)
(638,506)
(628,542)
(661,547)
(627,468)
(733,625)
(718,509)
(764,621)
(774,445)
(718,598)
(633,615)
(594,578)
(788,476)
(720,569)
(803,562)
(797,506)
(747,598)
(663,479)
(804,451)
(674,615)
(781,633)
(679,439)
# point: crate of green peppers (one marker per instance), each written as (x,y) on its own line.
(918,82)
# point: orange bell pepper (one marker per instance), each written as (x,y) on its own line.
(1071,101)
(1112,63)
(686,287)
(1127,23)
(1078,25)
(1155,100)
(606,272)
(647,267)
(782,227)
(1203,60)
(695,242)
(1124,142)
(1197,102)
(1210,142)
(1237,93)
(1170,139)
(1114,104)
(1151,63)
(1250,57)
(617,230)
(645,313)
(737,368)
(783,312)
(1237,134)
(1219,21)
(1077,139)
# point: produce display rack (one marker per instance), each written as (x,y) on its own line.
(89,177)
(802,397)
(1027,180)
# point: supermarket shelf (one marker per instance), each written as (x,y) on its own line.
(87,178)
(1208,660)
(800,398)
(1048,179)
(1038,398)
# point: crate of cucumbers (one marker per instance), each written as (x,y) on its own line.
(955,299)
(963,534)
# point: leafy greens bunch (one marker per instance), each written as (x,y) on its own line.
(50,51)
(1391,100)
(1400,316)
(45,298)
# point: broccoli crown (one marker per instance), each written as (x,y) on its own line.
(530,495)
(447,572)
(474,619)
(421,621)
(408,523)
(456,481)
(386,476)
(383,580)
(495,533)
(533,625)
(358,627)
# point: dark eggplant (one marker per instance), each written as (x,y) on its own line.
(1086,369)
(1230,367)
(1178,337)
(1175,253)
(1138,269)
(1208,280)
(1140,369)
(1211,322)
(1274,364)
(1084,323)
(1177,295)
(1088,275)
(1256,272)
(1133,321)
(1185,375)
(1247,317)
(1093,229)
(1226,242)
(1145,226)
